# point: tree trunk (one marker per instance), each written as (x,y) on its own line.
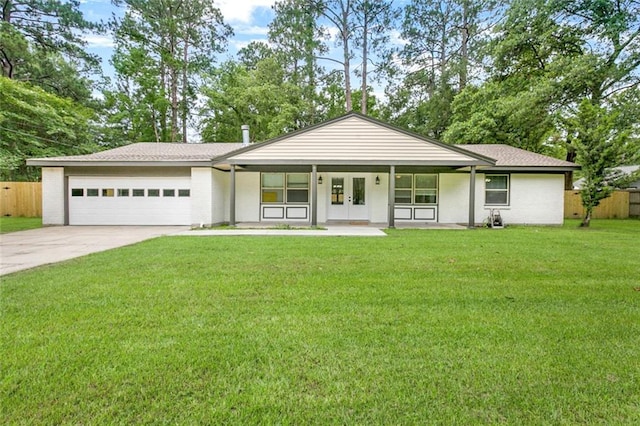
(346,54)
(365,39)
(568,176)
(587,218)
(185,84)
(464,52)
(163,91)
(173,77)
(5,61)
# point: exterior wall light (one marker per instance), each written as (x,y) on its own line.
(377,180)
(319,180)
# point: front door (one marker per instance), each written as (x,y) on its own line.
(348,197)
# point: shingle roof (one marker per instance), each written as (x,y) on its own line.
(509,156)
(174,153)
(152,151)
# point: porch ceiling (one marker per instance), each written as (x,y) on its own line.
(342,168)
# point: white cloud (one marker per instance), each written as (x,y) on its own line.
(95,41)
(241,11)
(395,38)
(251,30)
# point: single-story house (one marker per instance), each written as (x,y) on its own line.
(350,169)
(628,172)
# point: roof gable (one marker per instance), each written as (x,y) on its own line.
(354,139)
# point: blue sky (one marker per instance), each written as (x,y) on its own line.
(248,18)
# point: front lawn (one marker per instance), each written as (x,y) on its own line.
(520,326)
(14,224)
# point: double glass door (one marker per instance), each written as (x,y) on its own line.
(348,197)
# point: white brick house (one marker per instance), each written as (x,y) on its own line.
(352,168)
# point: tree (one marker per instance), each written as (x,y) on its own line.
(42,42)
(584,49)
(298,41)
(34,123)
(599,145)
(260,97)
(444,46)
(163,47)
(374,19)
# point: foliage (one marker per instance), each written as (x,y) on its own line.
(599,146)
(162,50)
(34,123)
(519,326)
(259,97)
(498,112)
(444,46)
(42,42)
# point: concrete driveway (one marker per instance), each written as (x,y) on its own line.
(28,249)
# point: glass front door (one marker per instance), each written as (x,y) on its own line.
(348,197)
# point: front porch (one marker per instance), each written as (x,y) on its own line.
(313,196)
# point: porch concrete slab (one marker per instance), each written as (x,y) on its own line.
(28,249)
(330,231)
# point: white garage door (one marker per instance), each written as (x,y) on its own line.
(105,200)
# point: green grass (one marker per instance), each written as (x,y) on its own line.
(518,326)
(14,224)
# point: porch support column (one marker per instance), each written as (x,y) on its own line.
(392,196)
(232,196)
(314,195)
(472,198)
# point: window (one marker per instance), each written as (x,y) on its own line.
(403,189)
(77,192)
(153,192)
(92,192)
(285,188)
(416,189)
(108,192)
(297,187)
(123,192)
(168,192)
(184,192)
(426,189)
(137,192)
(337,191)
(273,187)
(496,190)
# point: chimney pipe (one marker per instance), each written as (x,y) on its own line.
(245,135)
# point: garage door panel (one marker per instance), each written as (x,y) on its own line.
(129,210)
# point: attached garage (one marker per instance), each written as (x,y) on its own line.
(137,184)
(105,200)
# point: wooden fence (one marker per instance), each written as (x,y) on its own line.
(615,207)
(634,203)
(21,199)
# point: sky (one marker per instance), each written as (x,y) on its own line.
(248,18)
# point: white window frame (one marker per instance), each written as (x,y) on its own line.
(285,188)
(414,189)
(487,178)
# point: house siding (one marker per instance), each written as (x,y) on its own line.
(350,139)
